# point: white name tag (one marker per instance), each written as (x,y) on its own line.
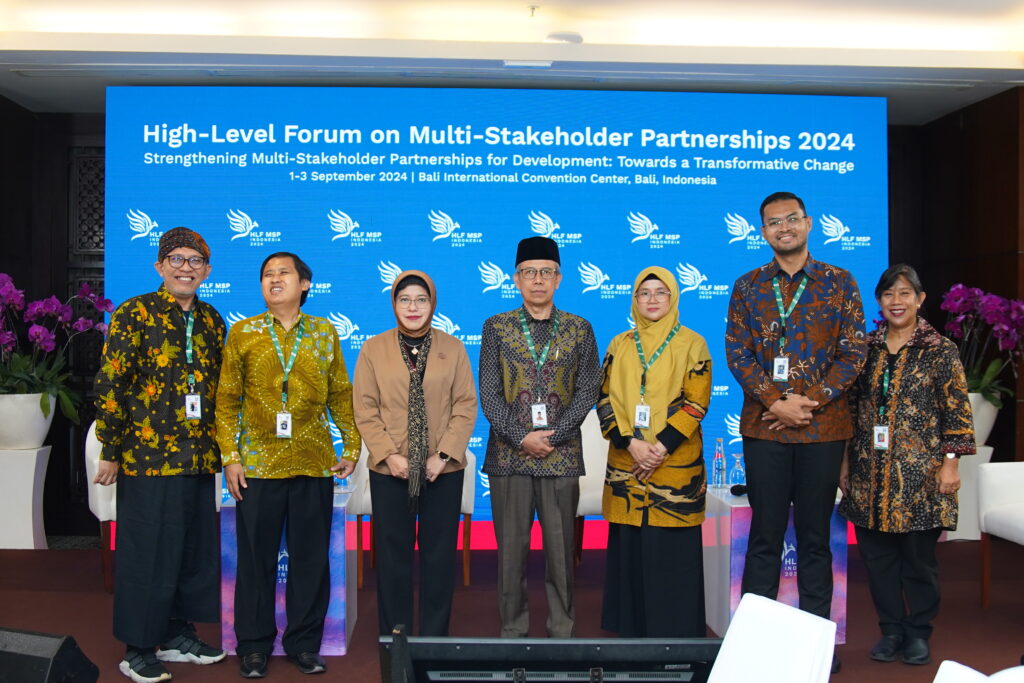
(780,369)
(284,425)
(881,437)
(539,414)
(642,416)
(193,407)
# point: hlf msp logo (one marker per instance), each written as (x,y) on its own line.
(740,230)
(595,280)
(209,289)
(494,278)
(692,280)
(342,225)
(388,270)
(448,228)
(320,289)
(143,226)
(346,330)
(545,226)
(244,226)
(646,229)
(449,326)
(836,231)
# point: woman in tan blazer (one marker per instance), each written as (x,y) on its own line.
(415,405)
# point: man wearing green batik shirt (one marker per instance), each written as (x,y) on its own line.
(282,372)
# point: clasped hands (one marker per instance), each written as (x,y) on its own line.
(536,445)
(647,457)
(796,410)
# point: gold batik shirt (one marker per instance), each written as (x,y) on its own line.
(249,399)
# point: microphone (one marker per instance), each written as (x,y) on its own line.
(738,489)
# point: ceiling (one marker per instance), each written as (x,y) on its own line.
(928,57)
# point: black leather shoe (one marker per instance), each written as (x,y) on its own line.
(887,649)
(836,664)
(253,665)
(310,662)
(915,651)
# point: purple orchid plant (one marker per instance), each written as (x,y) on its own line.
(33,360)
(981,323)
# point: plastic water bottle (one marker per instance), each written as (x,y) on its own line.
(718,465)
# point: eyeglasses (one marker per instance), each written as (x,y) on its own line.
(177,261)
(406,302)
(531,273)
(788,220)
(645,295)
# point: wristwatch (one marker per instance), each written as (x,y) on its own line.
(951,456)
(444,456)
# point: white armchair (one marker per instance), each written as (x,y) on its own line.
(1000,512)
(102,503)
(595,461)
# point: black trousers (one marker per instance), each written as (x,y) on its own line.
(903,575)
(806,475)
(302,507)
(168,557)
(395,534)
(654,582)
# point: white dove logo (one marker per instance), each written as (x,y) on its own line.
(641,226)
(542,224)
(388,272)
(485,482)
(787,548)
(592,276)
(240,223)
(492,275)
(732,426)
(341,223)
(445,324)
(690,277)
(140,223)
(738,227)
(442,224)
(834,228)
(343,325)
(630,321)
(235,317)
(335,434)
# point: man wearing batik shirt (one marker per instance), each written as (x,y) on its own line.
(283,370)
(155,418)
(539,377)
(795,343)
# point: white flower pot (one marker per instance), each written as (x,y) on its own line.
(984,417)
(22,425)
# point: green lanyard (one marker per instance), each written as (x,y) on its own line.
(287,367)
(643,361)
(189,320)
(784,313)
(542,358)
(884,406)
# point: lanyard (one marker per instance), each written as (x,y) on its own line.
(287,367)
(189,320)
(542,358)
(883,406)
(643,361)
(784,313)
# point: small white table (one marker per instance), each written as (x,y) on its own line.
(21,498)
(725,530)
(968,527)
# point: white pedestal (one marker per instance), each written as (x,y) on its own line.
(968,527)
(21,498)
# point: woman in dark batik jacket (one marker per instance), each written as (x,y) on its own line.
(912,421)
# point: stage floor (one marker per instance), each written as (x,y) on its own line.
(61,592)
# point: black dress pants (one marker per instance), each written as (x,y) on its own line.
(903,575)
(168,557)
(395,534)
(806,475)
(302,507)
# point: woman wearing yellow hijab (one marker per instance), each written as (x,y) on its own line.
(657,385)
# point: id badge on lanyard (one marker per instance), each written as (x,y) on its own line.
(193,407)
(780,369)
(642,416)
(539,415)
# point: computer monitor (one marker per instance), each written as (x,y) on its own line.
(522,660)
